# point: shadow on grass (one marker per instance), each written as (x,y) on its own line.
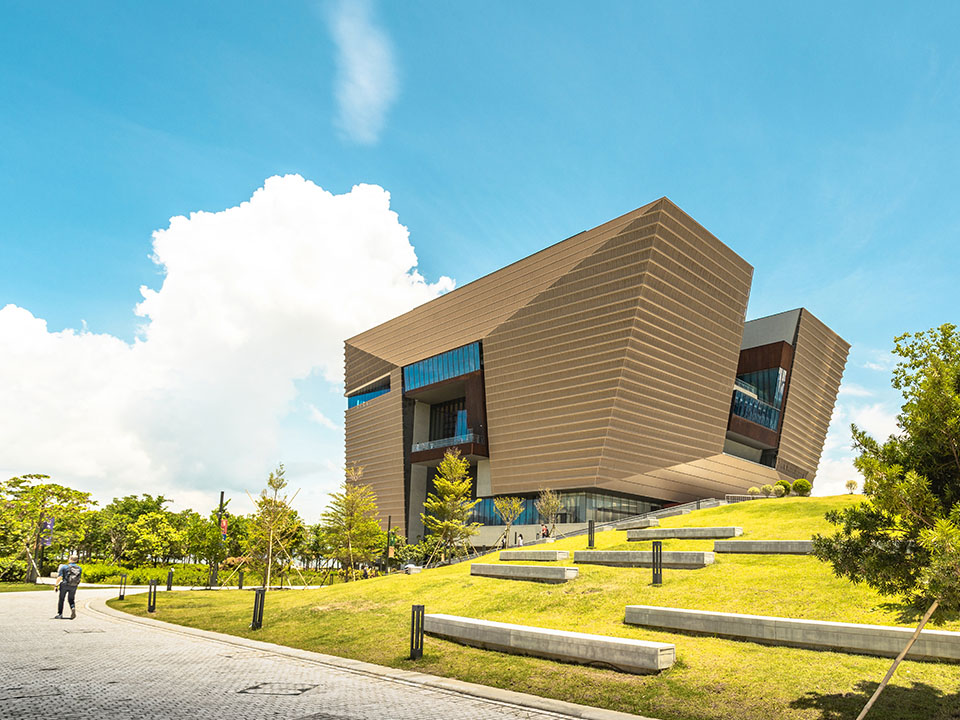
(917,702)
(910,614)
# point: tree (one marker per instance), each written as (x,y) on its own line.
(153,538)
(802,487)
(549,505)
(904,538)
(276,526)
(508,507)
(351,532)
(26,509)
(448,509)
(118,517)
(851,486)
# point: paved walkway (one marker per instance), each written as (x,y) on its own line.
(110,666)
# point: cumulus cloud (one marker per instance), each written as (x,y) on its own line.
(836,464)
(318,417)
(366,84)
(254,299)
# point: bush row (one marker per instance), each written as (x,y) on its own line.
(801,487)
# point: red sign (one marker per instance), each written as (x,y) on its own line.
(223,527)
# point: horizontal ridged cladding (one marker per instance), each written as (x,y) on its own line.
(818,363)
(361,367)
(471,312)
(673,396)
(374,440)
(713,476)
(553,369)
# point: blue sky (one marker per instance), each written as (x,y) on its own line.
(819,142)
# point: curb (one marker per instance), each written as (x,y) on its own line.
(408,677)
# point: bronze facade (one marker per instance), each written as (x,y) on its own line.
(609,362)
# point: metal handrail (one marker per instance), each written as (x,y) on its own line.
(447,442)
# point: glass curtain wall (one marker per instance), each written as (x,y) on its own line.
(578,507)
(444,366)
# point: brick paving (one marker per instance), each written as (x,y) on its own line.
(99,667)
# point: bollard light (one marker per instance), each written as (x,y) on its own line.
(657,562)
(590,533)
(152,596)
(416,632)
(259,595)
(170,579)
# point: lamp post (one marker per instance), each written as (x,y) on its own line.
(216,560)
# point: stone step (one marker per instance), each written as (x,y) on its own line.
(536,555)
(688,533)
(680,560)
(535,573)
(638,524)
(765,547)
(624,654)
(882,640)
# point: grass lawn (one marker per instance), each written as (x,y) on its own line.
(712,678)
(22,587)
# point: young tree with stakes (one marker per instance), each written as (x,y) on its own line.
(350,531)
(904,539)
(549,506)
(508,507)
(448,509)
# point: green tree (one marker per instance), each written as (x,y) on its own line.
(508,507)
(351,531)
(904,538)
(549,505)
(851,486)
(153,538)
(117,518)
(786,485)
(448,509)
(25,506)
(276,527)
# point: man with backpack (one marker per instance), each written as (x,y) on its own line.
(68,579)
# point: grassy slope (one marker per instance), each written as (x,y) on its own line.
(712,679)
(22,587)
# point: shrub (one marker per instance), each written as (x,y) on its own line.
(754,491)
(785,484)
(802,487)
(778,490)
(767,490)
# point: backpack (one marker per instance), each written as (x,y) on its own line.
(71,575)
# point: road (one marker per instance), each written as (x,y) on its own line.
(102,667)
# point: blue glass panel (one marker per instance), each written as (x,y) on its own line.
(754,410)
(461,423)
(355,400)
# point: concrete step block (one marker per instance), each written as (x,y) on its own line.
(678,560)
(626,655)
(689,533)
(765,547)
(880,640)
(534,573)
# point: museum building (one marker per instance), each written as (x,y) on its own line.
(614,367)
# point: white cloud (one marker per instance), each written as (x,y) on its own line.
(836,464)
(319,418)
(854,390)
(367,82)
(254,299)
